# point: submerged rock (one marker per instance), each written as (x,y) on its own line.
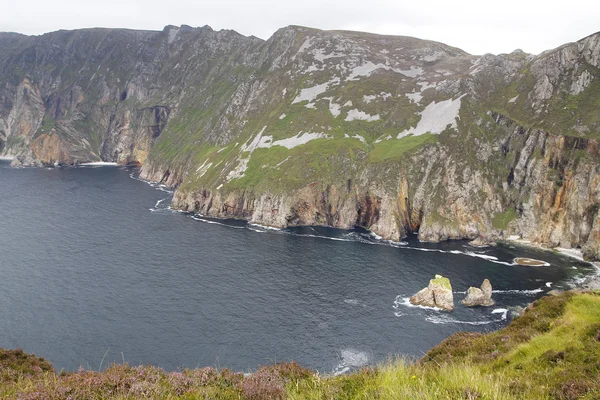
(479,296)
(530,262)
(437,294)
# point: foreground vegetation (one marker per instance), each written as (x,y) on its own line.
(552,351)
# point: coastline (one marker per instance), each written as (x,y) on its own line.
(591,282)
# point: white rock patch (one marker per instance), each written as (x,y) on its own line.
(426,85)
(299,139)
(282,116)
(368,68)
(355,114)
(319,55)
(266,142)
(203,169)
(435,118)
(357,136)
(413,72)
(334,108)
(173,34)
(311,93)
(415,97)
(513,99)
(369,98)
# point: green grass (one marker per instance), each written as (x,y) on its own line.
(552,351)
(395,149)
(501,220)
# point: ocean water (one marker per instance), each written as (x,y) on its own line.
(95,268)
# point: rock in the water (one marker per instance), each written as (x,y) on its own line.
(423,298)
(486,287)
(479,296)
(482,241)
(437,294)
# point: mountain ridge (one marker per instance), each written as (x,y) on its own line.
(391,133)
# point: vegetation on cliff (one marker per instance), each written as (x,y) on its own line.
(310,127)
(551,351)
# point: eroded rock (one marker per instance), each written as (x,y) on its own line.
(437,294)
(479,296)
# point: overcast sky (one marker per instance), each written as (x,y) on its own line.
(475,26)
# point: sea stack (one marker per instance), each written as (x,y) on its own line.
(479,296)
(437,294)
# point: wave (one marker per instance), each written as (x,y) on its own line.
(464,253)
(155,185)
(443,319)
(208,221)
(527,292)
(323,237)
(503,311)
(98,164)
(262,228)
(405,302)
(350,358)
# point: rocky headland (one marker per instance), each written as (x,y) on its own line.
(334,128)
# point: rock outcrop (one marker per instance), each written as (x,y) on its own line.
(437,294)
(479,296)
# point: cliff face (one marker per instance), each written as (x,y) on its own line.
(344,129)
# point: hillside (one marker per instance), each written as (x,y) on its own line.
(393,134)
(550,352)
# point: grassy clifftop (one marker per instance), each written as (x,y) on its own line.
(551,351)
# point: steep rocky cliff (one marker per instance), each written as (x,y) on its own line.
(344,129)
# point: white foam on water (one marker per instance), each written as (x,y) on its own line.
(545,264)
(375,236)
(548,284)
(256,230)
(198,218)
(502,311)
(351,358)
(270,228)
(98,164)
(443,319)
(324,237)
(405,302)
(464,253)
(526,292)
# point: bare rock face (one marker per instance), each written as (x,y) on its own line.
(479,296)
(423,297)
(437,294)
(196,109)
(486,287)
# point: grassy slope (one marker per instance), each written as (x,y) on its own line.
(552,351)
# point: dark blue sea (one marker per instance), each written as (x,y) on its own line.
(95,268)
